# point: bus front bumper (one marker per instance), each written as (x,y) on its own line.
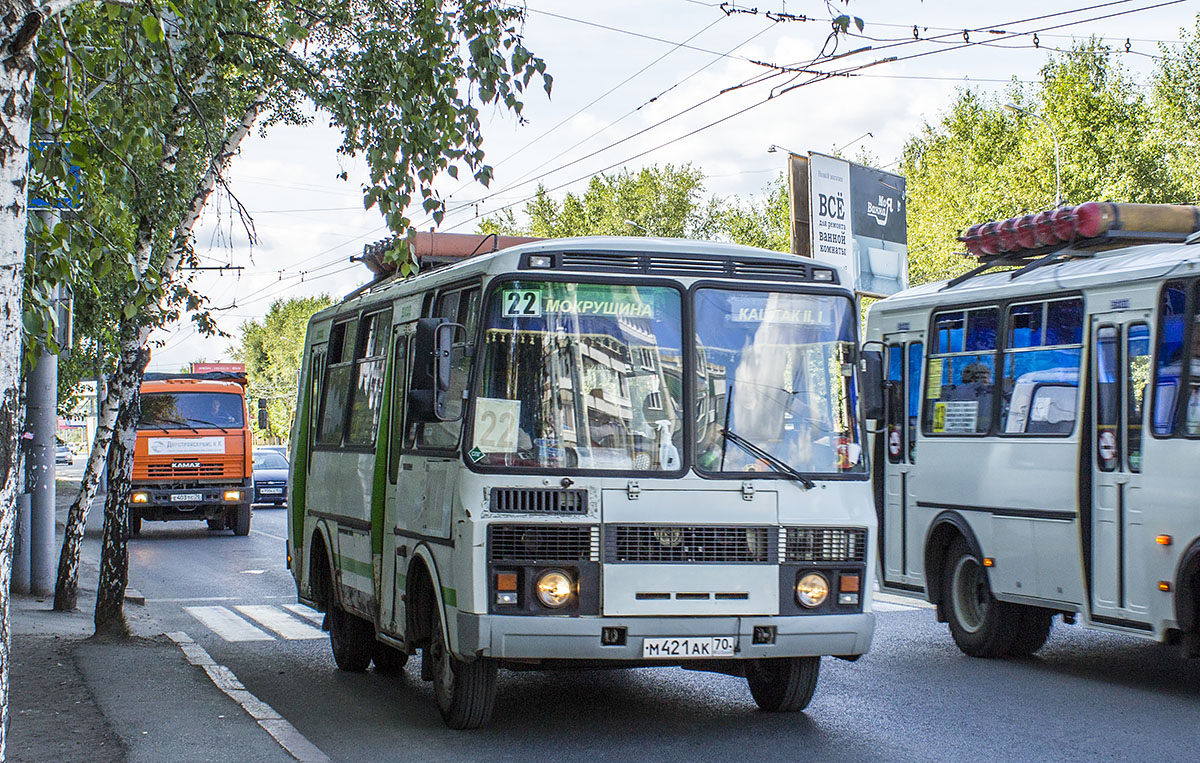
(580,638)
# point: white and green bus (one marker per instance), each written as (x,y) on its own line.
(1036,457)
(593,452)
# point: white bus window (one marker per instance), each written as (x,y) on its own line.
(781,359)
(1108,400)
(367,391)
(1137,379)
(1171,308)
(581,376)
(336,394)
(960,378)
(1041,367)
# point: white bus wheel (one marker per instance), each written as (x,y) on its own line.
(980,625)
(351,639)
(783,685)
(465,691)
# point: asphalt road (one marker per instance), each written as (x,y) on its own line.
(1086,696)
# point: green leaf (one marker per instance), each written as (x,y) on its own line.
(153,28)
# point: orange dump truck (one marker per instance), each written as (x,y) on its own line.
(193,454)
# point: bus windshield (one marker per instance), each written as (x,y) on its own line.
(580,376)
(191,410)
(774,372)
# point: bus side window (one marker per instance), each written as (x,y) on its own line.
(895,402)
(1137,379)
(1041,367)
(960,376)
(336,392)
(316,374)
(399,396)
(367,390)
(1169,354)
(916,351)
(460,306)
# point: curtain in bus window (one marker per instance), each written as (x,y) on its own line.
(915,352)
(586,376)
(1137,379)
(1039,391)
(1108,399)
(1169,354)
(895,403)
(960,377)
(368,386)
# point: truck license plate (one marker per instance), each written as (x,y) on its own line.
(182,497)
(689,646)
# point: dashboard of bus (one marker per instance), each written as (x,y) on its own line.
(604,376)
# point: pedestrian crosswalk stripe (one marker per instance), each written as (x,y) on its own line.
(281,622)
(227,624)
(308,613)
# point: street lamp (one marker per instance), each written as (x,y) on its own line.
(1054,136)
(642,228)
(773,148)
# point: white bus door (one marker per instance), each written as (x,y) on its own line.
(1120,370)
(902,540)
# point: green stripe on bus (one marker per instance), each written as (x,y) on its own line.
(349,564)
(379,482)
(297,490)
(450,596)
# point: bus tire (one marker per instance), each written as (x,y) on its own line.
(465,691)
(388,659)
(241,519)
(981,625)
(1032,632)
(783,685)
(352,640)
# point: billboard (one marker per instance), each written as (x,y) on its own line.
(200,367)
(859,223)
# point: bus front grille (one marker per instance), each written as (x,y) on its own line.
(656,544)
(825,544)
(543,543)
(520,500)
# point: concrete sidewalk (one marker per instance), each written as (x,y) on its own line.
(76,698)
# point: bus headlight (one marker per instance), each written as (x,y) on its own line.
(812,589)
(554,588)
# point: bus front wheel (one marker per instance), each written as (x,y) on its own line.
(981,625)
(352,640)
(465,691)
(783,685)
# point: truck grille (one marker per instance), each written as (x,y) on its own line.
(825,544)
(538,500)
(543,543)
(168,471)
(678,543)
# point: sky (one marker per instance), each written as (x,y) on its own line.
(645,82)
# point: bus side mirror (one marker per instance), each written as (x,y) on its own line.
(264,421)
(431,369)
(870,383)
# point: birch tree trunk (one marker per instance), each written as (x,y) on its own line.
(66,587)
(114,552)
(19,25)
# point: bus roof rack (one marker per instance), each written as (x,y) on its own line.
(1034,241)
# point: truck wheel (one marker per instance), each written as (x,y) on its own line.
(1033,631)
(783,685)
(351,638)
(241,520)
(980,625)
(135,523)
(465,691)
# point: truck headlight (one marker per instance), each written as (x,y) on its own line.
(139,498)
(233,495)
(554,588)
(811,589)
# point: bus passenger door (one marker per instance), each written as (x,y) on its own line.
(903,357)
(396,549)
(1120,372)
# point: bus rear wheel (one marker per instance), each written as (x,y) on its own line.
(1033,632)
(783,685)
(465,691)
(981,625)
(388,659)
(352,640)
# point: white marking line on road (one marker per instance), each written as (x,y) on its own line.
(284,733)
(308,613)
(253,572)
(269,535)
(279,621)
(227,625)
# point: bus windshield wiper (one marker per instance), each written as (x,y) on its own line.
(773,461)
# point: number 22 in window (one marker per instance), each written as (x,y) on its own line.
(522,303)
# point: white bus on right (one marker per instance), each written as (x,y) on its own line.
(1040,448)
